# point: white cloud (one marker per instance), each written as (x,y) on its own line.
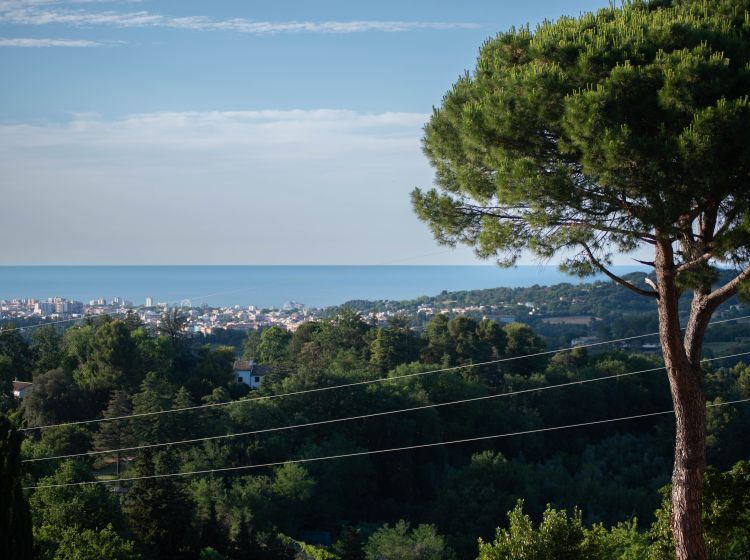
(45,12)
(319,129)
(40,43)
(319,186)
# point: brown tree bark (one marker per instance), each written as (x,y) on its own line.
(682,361)
(689,462)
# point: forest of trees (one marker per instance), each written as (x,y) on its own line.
(614,312)
(620,132)
(590,492)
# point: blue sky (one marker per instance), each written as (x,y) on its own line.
(238,132)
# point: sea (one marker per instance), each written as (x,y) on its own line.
(266,286)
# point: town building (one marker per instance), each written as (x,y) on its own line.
(21,388)
(44,308)
(67,307)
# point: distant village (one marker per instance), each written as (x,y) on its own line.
(205,319)
(199,320)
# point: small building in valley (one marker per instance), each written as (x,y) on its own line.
(21,388)
(249,372)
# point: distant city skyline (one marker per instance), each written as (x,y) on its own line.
(185,132)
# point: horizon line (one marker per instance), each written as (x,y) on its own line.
(90,265)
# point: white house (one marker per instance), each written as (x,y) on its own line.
(21,388)
(249,373)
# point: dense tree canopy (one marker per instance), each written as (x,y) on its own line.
(430,503)
(623,123)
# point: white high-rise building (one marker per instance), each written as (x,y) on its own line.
(149,302)
(44,308)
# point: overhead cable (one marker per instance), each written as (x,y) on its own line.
(355,383)
(374,452)
(361,416)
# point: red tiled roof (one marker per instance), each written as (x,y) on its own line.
(242,365)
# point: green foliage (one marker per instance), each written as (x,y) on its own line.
(55,398)
(46,348)
(172,326)
(292,482)
(162,499)
(272,348)
(461,341)
(7,375)
(58,509)
(115,434)
(76,346)
(475,497)
(597,131)
(726,516)
(350,545)
(250,347)
(155,395)
(438,343)
(109,361)
(613,471)
(522,340)
(15,521)
(392,346)
(304,551)
(212,368)
(400,543)
(14,347)
(209,553)
(275,503)
(560,536)
(346,333)
(87,506)
(60,440)
(88,544)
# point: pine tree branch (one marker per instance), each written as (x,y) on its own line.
(720,295)
(619,280)
(705,257)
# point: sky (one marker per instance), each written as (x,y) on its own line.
(229,132)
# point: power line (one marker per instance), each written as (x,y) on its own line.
(356,383)
(378,451)
(329,388)
(361,416)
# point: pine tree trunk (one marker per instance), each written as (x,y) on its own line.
(689,462)
(682,360)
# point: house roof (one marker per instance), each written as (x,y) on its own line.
(244,365)
(20,385)
(262,369)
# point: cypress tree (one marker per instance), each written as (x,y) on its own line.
(15,520)
(115,434)
(158,509)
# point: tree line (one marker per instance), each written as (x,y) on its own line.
(427,503)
